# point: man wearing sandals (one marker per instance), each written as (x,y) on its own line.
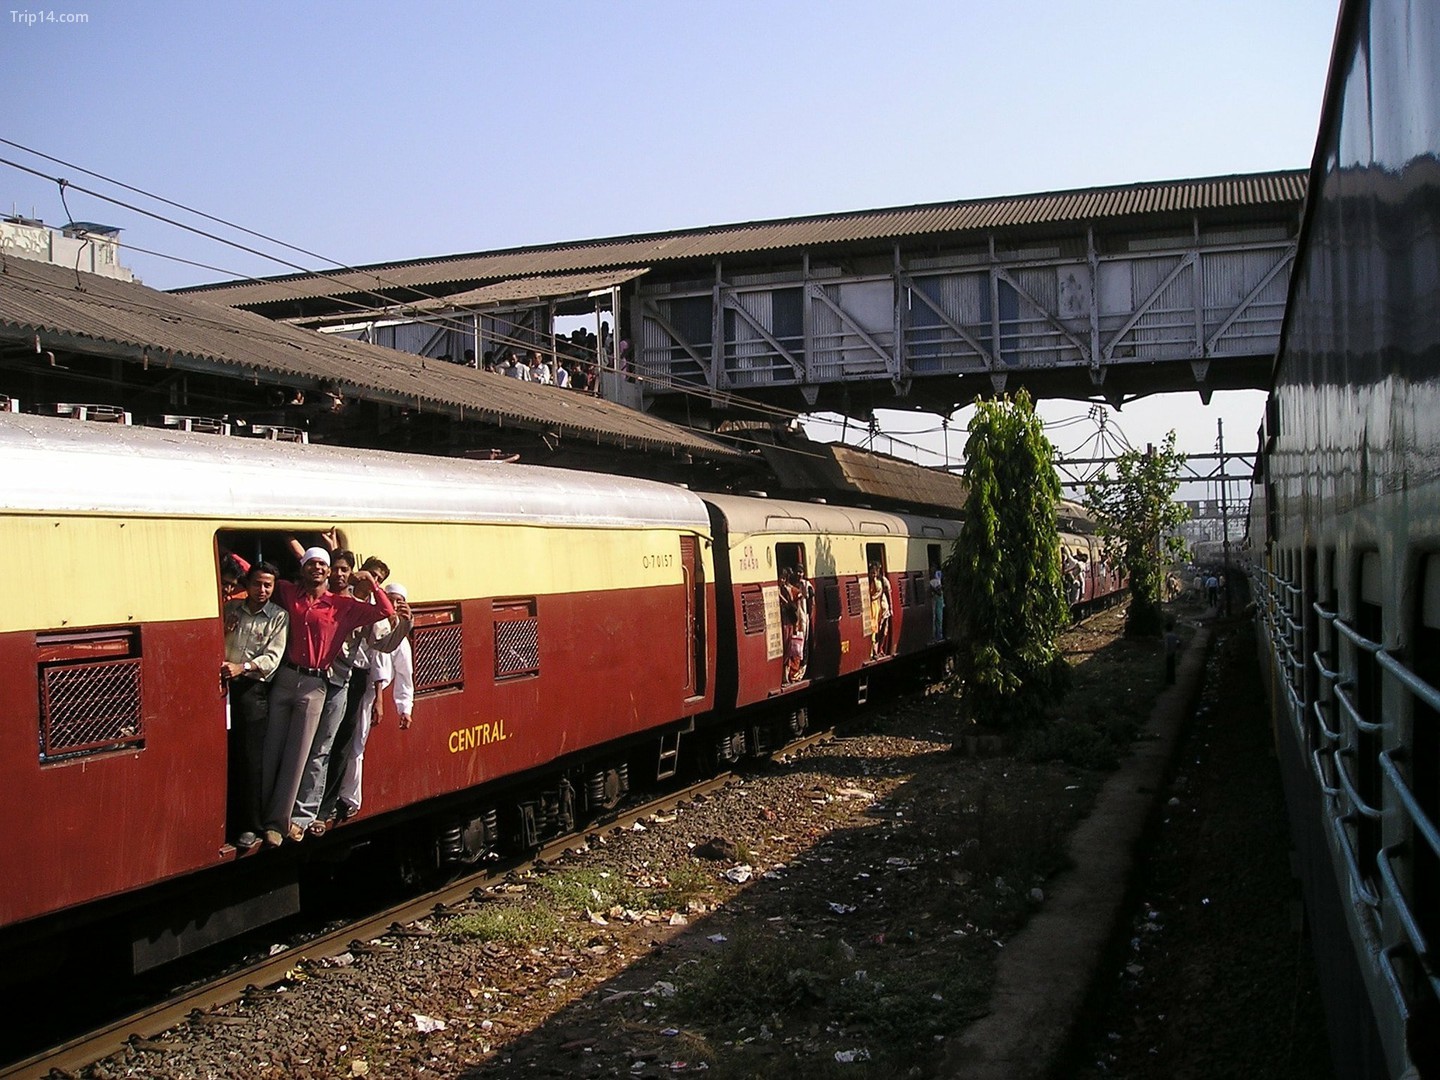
(309,812)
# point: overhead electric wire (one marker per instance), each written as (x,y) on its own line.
(168,202)
(397,307)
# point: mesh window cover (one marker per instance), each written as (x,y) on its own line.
(90,707)
(517,647)
(752,611)
(437,655)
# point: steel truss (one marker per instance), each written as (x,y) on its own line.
(1088,304)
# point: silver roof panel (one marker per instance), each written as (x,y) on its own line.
(751,516)
(62,466)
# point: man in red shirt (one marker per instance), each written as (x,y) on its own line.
(319,623)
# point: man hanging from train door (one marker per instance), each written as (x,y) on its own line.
(319,622)
(937,600)
(255,633)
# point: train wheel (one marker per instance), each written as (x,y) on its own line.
(605,787)
(799,723)
(730,747)
(469,841)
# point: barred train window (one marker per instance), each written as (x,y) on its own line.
(853,603)
(914,589)
(752,611)
(517,639)
(436,644)
(89,692)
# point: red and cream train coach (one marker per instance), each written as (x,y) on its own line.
(813,594)
(564,627)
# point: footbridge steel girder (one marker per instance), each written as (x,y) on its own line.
(1071,316)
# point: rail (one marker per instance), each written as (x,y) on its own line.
(1336,752)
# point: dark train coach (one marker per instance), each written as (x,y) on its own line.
(1345,527)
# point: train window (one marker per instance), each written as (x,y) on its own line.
(1327,654)
(830,600)
(436,644)
(752,611)
(1365,746)
(1309,639)
(854,604)
(918,589)
(1425,758)
(89,692)
(517,639)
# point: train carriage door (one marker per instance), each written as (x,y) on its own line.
(935,590)
(797,611)
(880,599)
(693,570)
(246,696)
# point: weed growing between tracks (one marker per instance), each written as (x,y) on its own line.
(888,873)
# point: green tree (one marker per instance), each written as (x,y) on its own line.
(1004,582)
(1138,510)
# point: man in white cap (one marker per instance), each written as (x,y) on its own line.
(314,802)
(319,622)
(393,667)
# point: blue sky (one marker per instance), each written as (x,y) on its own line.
(369,131)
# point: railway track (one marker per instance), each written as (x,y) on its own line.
(145,1026)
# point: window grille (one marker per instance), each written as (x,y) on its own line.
(437,646)
(853,604)
(832,600)
(920,588)
(89,693)
(752,611)
(517,639)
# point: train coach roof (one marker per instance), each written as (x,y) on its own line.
(757,515)
(74,466)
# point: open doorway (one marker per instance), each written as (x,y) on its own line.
(797,610)
(882,606)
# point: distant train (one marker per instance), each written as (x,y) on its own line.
(1345,536)
(1093,579)
(573,633)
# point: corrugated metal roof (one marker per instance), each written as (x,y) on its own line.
(545,287)
(802,465)
(42,298)
(1278,189)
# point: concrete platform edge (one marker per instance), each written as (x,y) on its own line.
(1045,973)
